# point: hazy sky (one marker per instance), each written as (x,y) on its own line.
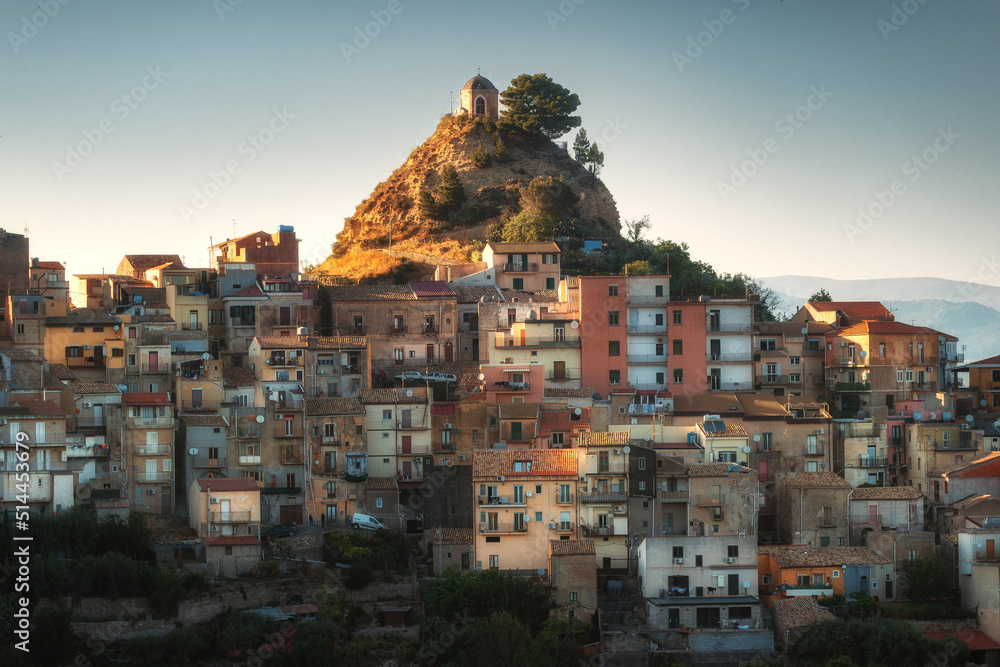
(753,130)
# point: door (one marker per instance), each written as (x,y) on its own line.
(290,514)
(465,562)
(673,619)
(448,352)
(873,514)
(98,356)
(193,320)
(430,353)
(762,471)
(153,362)
(888,590)
(515,431)
(475,349)
(715,348)
(407,470)
(404,418)
(284,316)
(715,379)
(558,370)
(165,500)
(98,414)
(989,549)
(733,584)
(150,470)
(406,444)
(224,510)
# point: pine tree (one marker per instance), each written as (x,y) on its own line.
(581,146)
(451,192)
(427,206)
(537,104)
(595,159)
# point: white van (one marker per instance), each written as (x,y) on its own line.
(365,521)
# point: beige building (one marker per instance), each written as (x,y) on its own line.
(551,344)
(897,508)
(148,449)
(811,509)
(397,423)
(789,362)
(934,445)
(604,495)
(337,456)
(223,507)
(524,500)
(524,266)
(574,577)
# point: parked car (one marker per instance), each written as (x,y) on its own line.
(366,521)
(440,377)
(414,376)
(281,530)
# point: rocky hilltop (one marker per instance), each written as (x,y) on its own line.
(493,193)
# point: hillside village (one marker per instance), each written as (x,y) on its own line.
(681,477)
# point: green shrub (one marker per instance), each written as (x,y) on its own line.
(501,153)
(268,568)
(481,158)
(166,587)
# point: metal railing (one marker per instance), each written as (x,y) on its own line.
(191,326)
(647,358)
(507,501)
(818,450)
(153,450)
(708,500)
(865,518)
(151,422)
(283,362)
(204,462)
(827,522)
(674,495)
(873,461)
(728,357)
(960,444)
(502,527)
(731,386)
(232,516)
(772,379)
(852,386)
(502,340)
(728,327)
(646,300)
(501,385)
(518,267)
(564,499)
(646,328)
(280,432)
(146,477)
(566,374)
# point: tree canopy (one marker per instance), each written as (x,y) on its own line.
(926,579)
(822,296)
(537,104)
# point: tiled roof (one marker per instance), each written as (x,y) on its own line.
(985,466)
(282,342)
(951,538)
(425,289)
(708,404)
(156,305)
(143,262)
(129,280)
(733,430)
(800,555)
(376,395)
(976,640)
(573,547)
(886,493)
(453,536)
(159,318)
(227,484)
(49,265)
(37,408)
(469,382)
(762,405)
(544,462)
(81,388)
(887,328)
(83,316)
(562,420)
(989,361)
(560,392)
(381,484)
(966,503)
(816,480)
(603,438)
(146,398)
(538,296)
(338,342)
(473,293)
(716,469)
(518,410)
(52,383)
(504,248)
(371,293)
(798,612)
(793,329)
(854,309)
(572,282)
(334,406)
(18,354)
(231,541)
(214,421)
(239,377)
(249,292)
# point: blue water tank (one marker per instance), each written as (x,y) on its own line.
(285,228)
(692,437)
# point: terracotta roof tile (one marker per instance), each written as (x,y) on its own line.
(334,406)
(855,309)
(815,480)
(563,420)
(49,265)
(518,410)
(381,484)
(38,408)
(231,541)
(371,293)
(428,289)
(143,262)
(966,503)
(249,292)
(560,392)
(504,248)
(573,547)
(886,328)
(376,395)
(733,430)
(226,484)
(282,342)
(18,354)
(52,383)
(146,398)
(798,612)
(801,555)
(239,377)
(544,463)
(984,466)
(79,318)
(469,382)
(474,293)
(214,421)
(338,342)
(603,439)
(453,536)
(81,388)
(129,280)
(989,361)
(538,296)
(716,469)
(886,493)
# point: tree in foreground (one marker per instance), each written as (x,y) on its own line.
(874,641)
(926,579)
(538,105)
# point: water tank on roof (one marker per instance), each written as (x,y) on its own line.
(692,437)
(946,416)
(285,228)
(302,331)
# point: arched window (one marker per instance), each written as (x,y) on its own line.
(481,106)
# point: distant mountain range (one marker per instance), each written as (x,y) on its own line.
(968,310)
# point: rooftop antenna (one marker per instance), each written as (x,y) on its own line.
(234,228)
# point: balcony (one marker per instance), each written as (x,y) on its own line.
(395,329)
(321,469)
(291,455)
(147,477)
(430,329)
(873,461)
(604,497)
(565,374)
(158,367)
(866,518)
(358,330)
(282,432)
(647,359)
(773,352)
(730,386)
(511,386)
(772,379)
(712,500)
(250,460)
(674,496)
(232,516)
(251,430)
(953,357)
(507,501)
(963,444)
(153,450)
(983,555)
(728,327)
(827,522)
(925,386)
(852,386)
(205,462)
(564,527)
(600,530)
(503,340)
(502,528)
(729,357)
(151,422)
(518,267)
(817,450)
(646,328)
(646,300)
(813,352)
(564,499)
(854,362)
(191,326)
(646,408)
(285,362)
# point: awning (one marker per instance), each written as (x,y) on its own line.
(516,370)
(646,392)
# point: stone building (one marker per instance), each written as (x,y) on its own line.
(811,509)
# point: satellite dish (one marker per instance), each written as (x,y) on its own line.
(756,438)
(746,584)
(933,416)
(969,418)
(527,519)
(456,431)
(804,331)
(626,449)
(528,494)
(574,324)
(449,463)
(541,572)
(577,411)
(260,419)
(193,452)
(647,438)
(983,402)
(206,356)
(746,449)
(862,414)
(116,327)
(863,354)
(409,393)
(481,377)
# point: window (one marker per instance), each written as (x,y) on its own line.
(733,551)
(678,552)
(677,317)
(117,352)
(881,350)
(522,466)
(613,318)
(550,283)
(642,487)
(660,378)
(641,463)
(518,283)
(911,555)
(612,290)
(290,480)
(698,560)
(475,435)
(538,515)
(678,347)
(794,377)
(768,343)
(766,441)
(658,350)
(558,439)
(74,351)
(658,319)
(614,348)
(658,290)
(378,503)
(446,437)
(996,376)
(909,375)
(899,376)
(573,597)
(256,475)
(824,541)
(131,360)
(678,376)
(794,361)
(812,466)
(614,377)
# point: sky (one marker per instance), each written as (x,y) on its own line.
(851,140)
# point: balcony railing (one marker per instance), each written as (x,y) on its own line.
(646,328)
(731,386)
(204,462)
(983,555)
(250,460)
(647,358)
(147,477)
(673,496)
(960,444)
(397,329)
(601,530)
(646,408)
(284,362)
(827,522)
(773,352)
(712,500)
(191,326)
(818,450)
(565,374)
(232,516)
(502,527)
(518,267)
(564,498)
(280,432)
(507,501)
(151,422)
(852,386)
(153,450)
(927,385)
(158,367)
(956,357)
(873,461)
(646,300)
(840,360)
(604,497)
(772,379)
(728,357)
(866,518)
(510,386)
(729,327)
(502,340)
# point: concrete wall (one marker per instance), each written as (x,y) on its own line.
(984,596)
